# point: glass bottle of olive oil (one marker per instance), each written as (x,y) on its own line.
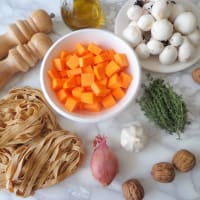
(79,14)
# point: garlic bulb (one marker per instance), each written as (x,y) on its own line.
(133,35)
(185,23)
(133,138)
(145,22)
(142,51)
(162,30)
(176,39)
(176,9)
(134,12)
(186,51)
(155,47)
(169,55)
(195,37)
(161,10)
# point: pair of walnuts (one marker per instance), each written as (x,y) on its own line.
(183,161)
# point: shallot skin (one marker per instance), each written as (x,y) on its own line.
(104,164)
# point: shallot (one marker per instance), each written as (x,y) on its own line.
(104,164)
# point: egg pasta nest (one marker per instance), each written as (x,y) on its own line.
(34,152)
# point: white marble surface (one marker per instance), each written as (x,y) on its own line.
(160,146)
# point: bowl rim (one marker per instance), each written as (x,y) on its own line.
(92,118)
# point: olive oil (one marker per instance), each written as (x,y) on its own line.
(79,14)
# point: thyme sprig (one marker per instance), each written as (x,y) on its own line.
(162,105)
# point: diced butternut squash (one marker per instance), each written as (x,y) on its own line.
(57,84)
(99,90)
(87,79)
(53,73)
(74,72)
(73,61)
(114,81)
(59,64)
(121,59)
(63,54)
(95,107)
(125,80)
(62,95)
(118,93)
(111,68)
(87,97)
(103,57)
(78,80)
(94,48)
(86,60)
(108,101)
(77,91)
(99,71)
(71,104)
(69,83)
(81,49)
(87,69)
(103,82)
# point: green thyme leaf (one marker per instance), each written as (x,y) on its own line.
(164,107)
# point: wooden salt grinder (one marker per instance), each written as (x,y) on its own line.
(22,31)
(22,57)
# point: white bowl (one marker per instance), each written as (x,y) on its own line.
(107,40)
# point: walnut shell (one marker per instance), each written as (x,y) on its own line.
(163,172)
(184,160)
(133,190)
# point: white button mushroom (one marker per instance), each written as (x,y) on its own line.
(134,12)
(133,138)
(145,22)
(176,39)
(142,51)
(185,23)
(186,51)
(195,37)
(169,55)
(133,35)
(148,7)
(176,9)
(162,30)
(155,47)
(161,10)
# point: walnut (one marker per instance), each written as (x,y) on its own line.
(184,160)
(133,190)
(163,172)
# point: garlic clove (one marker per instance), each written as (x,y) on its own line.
(186,51)
(133,35)
(133,138)
(155,47)
(169,55)
(176,39)
(185,23)
(162,30)
(134,12)
(142,51)
(194,37)
(145,22)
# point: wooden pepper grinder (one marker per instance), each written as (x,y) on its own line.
(22,31)
(24,56)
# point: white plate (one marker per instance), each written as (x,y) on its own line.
(152,63)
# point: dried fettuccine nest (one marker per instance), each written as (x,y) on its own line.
(5,157)
(24,115)
(44,162)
